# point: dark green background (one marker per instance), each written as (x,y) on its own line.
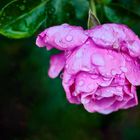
(33,106)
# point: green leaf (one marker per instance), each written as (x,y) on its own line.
(92,20)
(118,14)
(21,18)
(67,11)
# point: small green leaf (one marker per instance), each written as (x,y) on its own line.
(21,18)
(92,20)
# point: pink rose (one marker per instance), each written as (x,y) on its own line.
(101,66)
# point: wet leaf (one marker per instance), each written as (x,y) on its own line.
(67,11)
(21,18)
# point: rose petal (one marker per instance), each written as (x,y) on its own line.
(117,37)
(62,37)
(57,63)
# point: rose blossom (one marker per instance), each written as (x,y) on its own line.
(101,66)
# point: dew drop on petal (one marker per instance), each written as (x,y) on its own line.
(81,83)
(106,78)
(124,69)
(113,72)
(79,54)
(97,60)
(94,76)
(69,38)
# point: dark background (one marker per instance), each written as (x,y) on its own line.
(33,106)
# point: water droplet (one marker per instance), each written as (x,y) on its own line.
(79,54)
(97,60)
(69,38)
(113,72)
(106,78)
(58,41)
(124,69)
(74,93)
(85,68)
(87,43)
(94,76)
(81,83)
(115,45)
(22,7)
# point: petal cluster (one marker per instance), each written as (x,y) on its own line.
(100,66)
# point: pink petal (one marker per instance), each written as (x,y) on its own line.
(62,37)
(117,37)
(133,71)
(57,63)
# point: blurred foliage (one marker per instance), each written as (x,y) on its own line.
(33,106)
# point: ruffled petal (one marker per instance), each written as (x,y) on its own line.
(133,71)
(57,63)
(62,37)
(117,37)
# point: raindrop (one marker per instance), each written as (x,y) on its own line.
(94,76)
(124,69)
(69,38)
(81,83)
(85,68)
(106,78)
(79,54)
(97,60)
(74,93)
(87,43)
(113,72)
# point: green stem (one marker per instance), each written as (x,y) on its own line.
(92,18)
(92,7)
